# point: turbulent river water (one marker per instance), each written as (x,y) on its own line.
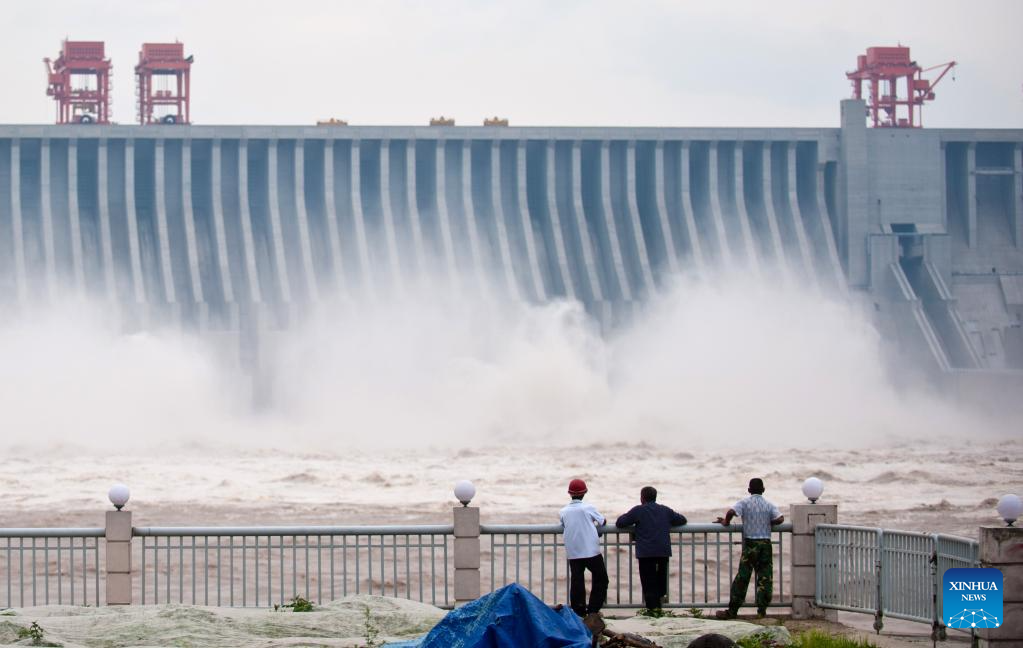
(378,407)
(904,486)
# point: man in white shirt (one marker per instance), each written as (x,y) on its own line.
(583,549)
(758,515)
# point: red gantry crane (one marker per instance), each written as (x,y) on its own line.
(163,77)
(79,81)
(889,71)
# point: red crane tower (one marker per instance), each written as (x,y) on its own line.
(163,77)
(885,68)
(79,81)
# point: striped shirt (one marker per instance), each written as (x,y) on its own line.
(756,513)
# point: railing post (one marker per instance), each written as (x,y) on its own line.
(879,577)
(467,554)
(118,558)
(1002,548)
(803,558)
(938,632)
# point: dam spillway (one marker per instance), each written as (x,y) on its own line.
(190,221)
(216,227)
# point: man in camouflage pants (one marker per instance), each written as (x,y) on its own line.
(758,515)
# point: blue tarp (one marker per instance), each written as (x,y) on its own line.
(508,618)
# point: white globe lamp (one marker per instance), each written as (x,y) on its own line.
(119,495)
(1010,507)
(464,491)
(813,488)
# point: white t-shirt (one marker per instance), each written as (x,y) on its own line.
(581,539)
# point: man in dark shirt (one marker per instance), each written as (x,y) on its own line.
(653,524)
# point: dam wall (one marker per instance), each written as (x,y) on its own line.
(224,228)
(203,223)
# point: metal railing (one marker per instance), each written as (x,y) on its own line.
(700,571)
(265,566)
(888,573)
(44,566)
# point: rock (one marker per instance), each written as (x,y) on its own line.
(713,640)
(594,623)
(345,622)
(679,632)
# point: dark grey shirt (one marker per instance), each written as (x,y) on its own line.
(653,524)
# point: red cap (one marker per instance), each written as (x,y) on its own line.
(577,487)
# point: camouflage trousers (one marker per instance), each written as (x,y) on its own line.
(756,557)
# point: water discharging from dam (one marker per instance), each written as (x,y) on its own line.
(386,285)
(251,227)
(731,361)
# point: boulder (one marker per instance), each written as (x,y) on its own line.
(712,640)
(349,621)
(681,631)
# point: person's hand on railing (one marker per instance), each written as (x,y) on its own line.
(727,520)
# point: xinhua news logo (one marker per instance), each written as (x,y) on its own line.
(972,598)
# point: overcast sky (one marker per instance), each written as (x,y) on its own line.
(734,63)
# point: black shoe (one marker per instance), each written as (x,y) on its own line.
(725,614)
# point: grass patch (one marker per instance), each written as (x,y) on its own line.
(297,604)
(655,614)
(820,639)
(35,635)
(758,640)
(809,639)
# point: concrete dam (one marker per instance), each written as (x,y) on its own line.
(235,228)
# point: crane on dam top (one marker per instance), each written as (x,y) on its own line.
(887,71)
(79,81)
(163,84)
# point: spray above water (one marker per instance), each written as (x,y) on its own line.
(69,378)
(732,361)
